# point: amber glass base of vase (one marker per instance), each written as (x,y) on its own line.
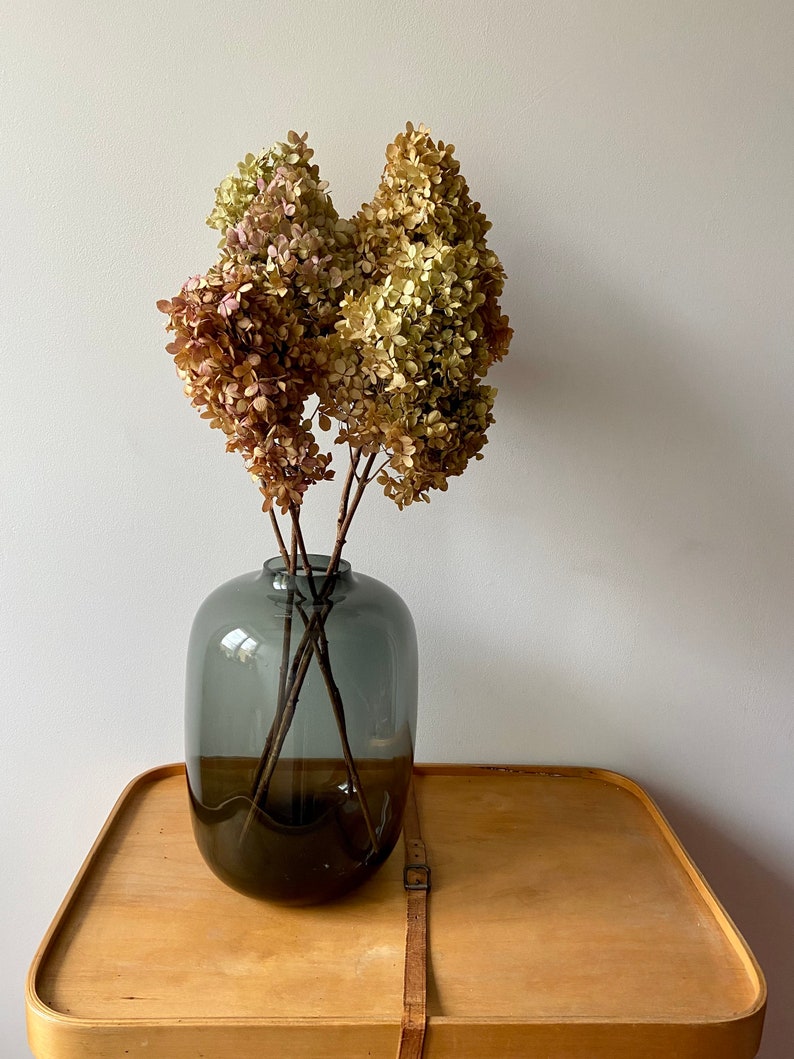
(311,843)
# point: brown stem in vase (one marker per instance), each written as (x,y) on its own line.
(324,663)
(274,745)
(354,778)
(294,511)
(292,563)
(306,647)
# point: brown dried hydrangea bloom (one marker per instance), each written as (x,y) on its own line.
(248,367)
(391,320)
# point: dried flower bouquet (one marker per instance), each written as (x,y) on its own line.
(382,326)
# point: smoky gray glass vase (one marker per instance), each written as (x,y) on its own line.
(301,697)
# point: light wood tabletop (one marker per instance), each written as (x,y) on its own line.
(565,921)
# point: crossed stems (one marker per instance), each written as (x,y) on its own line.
(313,643)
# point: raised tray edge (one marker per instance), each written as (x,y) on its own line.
(43,1020)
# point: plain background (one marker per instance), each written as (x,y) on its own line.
(611,586)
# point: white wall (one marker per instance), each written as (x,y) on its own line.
(612,585)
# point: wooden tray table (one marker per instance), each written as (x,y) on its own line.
(566,922)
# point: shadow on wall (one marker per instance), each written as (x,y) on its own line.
(639,453)
(650,546)
(762,903)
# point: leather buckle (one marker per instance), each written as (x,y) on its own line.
(417,884)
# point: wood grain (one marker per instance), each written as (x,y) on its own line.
(565,921)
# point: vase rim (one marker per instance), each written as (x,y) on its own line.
(317,561)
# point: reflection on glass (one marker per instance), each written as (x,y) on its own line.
(239,644)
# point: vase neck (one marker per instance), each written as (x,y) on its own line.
(276,569)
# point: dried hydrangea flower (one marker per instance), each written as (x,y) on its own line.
(278,218)
(392,320)
(406,362)
(248,367)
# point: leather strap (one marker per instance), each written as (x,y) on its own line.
(416,879)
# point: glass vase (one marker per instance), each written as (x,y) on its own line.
(301,697)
